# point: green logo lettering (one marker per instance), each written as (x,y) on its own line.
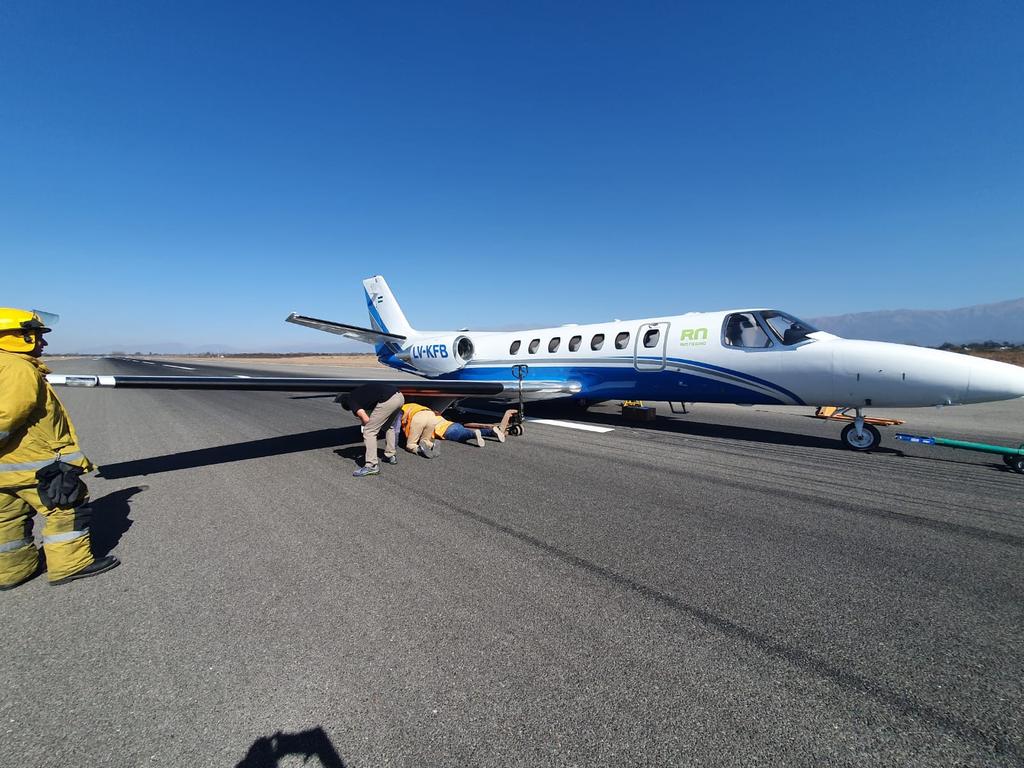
(693,337)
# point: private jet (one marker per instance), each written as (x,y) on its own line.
(749,356)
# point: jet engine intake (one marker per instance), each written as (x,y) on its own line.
(439,355)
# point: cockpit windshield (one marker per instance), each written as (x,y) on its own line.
(787,328)
(761,330)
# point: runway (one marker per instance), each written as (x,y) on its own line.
(728,587)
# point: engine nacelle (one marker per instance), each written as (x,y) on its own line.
(439,355)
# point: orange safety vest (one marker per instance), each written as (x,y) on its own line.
(408,411)
(442,427)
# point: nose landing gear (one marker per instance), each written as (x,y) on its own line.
(859,436)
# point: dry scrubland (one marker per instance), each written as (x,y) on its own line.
(1014,356)
(356,361)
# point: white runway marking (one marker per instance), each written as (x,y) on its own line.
(549,422)
(242,376)
(571,425)
(147,362)
(180,367)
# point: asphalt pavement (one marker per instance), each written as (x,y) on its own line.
(728,587)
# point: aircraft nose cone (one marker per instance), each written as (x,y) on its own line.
(992,380)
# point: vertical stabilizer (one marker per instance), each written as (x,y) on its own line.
(385,314)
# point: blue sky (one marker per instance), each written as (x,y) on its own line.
(193,171)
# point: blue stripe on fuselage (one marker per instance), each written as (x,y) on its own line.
(608,383)
(741,374)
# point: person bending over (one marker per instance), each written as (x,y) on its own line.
(376,405)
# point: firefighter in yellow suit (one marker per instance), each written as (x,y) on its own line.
(35,432)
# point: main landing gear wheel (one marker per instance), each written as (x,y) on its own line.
(1015,463)
(869,437)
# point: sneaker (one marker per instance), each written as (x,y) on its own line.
(500,434)
(390,459)
(94,568)
(369,469)
(428,453)
(478,438)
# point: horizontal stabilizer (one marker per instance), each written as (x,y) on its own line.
(419,387)
(367,335)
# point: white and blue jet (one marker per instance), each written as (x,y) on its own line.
(745,356)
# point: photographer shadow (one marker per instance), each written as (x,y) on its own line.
(268,751)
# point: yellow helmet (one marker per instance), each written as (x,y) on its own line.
(20,329)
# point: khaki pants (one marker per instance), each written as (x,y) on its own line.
(65,537)
(380,416)
(421,427)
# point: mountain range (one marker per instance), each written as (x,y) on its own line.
(1001,322)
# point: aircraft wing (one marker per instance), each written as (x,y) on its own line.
(367,335)
(417,387)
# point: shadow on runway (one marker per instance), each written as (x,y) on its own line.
(110,519)
(687,427)
(744,434)
(267,752)
(354,453)
(222,454)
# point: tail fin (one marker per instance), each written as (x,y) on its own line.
(385,314)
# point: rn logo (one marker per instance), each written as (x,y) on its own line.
(429,350)
(693,337)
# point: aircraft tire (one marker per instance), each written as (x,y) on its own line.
(1015,463)
(870,438)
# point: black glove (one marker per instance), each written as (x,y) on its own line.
(60,485)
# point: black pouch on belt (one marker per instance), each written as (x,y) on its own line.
(60,485)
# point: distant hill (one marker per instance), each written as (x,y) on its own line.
(996,322)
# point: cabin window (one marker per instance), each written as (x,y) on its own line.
(651,338)
(622,340)
(597,342)
(787,328)
(534,346)
(574,343)
(741,329)
(514,349)
(553,344)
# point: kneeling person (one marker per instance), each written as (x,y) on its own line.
(418,422)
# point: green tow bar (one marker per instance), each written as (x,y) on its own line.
(1012,457)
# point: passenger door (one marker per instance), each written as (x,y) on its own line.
(649,346)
